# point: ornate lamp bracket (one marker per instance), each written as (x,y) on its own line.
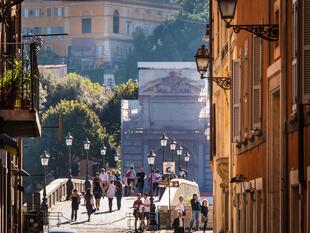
(268,32)
(223,82)
(6,10)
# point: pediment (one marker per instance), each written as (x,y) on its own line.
(173,83)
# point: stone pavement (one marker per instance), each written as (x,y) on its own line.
(101,222)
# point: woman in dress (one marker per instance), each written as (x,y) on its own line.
(89,203)
(75,202)
(97,190)
(204,214)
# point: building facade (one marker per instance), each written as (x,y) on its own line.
(172,100)
(19,104)
(99,31)
(269,119)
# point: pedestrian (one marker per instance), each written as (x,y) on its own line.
(89,203)
(97,190)
(196,208)
(131,176)
(111,194)
(119,194)
(105,179)
(204,214)
(75,202)
(156,176)
(146,209)
(140,180)
(180,206)
(118,176)
(178,223)
(136,210)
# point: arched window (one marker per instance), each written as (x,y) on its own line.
(116,22)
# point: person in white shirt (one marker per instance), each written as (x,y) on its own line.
(105,180)
(111,194)
(146,208)
(180,205)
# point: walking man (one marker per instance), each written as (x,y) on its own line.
(140,182)
(131,176)
(196,208)
(111,194)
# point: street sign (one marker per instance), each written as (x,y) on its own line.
(165,184)
(168,168)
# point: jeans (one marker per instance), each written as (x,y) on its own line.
(205,225)
(119,202)
(155,188)
(195,217)
(74,214)
(110,204)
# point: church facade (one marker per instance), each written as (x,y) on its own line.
(172,100)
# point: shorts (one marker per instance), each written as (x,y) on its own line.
(138,215)
(147,215)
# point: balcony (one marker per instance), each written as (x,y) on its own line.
(19,93)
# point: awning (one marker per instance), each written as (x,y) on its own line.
(7,143)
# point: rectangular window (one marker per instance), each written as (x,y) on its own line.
(257,59)
(25,31)
(295,49)
(245,89)
(99,50)
(37,12)
(306,54)
(48,12)
(59,11)
(236,113)
(86,25)
(36,30)
(25,12)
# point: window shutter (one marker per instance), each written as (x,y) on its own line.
(256,82)
(295,50)
(306,53)
(236,113)
(245,88)
(213,136)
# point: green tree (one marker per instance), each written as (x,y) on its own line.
(176,39)
(111,114)
(78,119)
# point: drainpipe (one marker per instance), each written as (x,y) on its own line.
(284,119)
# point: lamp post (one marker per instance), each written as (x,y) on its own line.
(173,145)
(179,153)
(44,207)
(69,184)
(151,161)
(103,152)
(227,9)
(187,156)
(163,143)
(116,159)
(87,147)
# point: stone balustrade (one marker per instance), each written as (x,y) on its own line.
(56,191)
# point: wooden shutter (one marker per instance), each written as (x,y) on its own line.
(236,113)
(213,136)
(245,88)
(295,50)
(257,82)
(306,53)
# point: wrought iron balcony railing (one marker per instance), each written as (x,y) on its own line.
(19,79)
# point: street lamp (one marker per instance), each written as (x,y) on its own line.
(44,162)
(151,161)
(86,148)
(187,156)
(69,185)
(103,152)
(173,145)
(268,32)
(203,60)
(179,153)
(163,143)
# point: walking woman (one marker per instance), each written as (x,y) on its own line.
(204,214)
(111,194)
(75,202)
(97,190)
(89,203)
(119,194)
